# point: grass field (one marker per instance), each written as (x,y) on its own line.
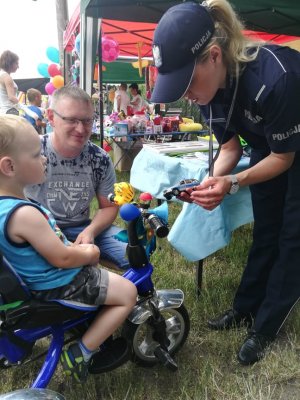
(208,369)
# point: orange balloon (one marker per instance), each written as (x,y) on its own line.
(57,81)
(96,72)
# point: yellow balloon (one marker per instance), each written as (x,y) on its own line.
(57,81)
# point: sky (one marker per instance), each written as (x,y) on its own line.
(28,28)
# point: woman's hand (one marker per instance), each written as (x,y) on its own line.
(210,193)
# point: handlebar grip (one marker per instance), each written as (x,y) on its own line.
(161,230)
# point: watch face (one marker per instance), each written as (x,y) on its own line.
(234,185)
(234,188)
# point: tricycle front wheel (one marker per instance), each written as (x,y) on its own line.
(141,337)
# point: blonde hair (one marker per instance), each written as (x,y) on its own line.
(32,94)
(228,35)
(70,92)
(11,130)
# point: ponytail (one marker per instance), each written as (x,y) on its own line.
(229,36)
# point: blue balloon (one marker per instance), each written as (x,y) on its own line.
(43,70)
(53,54)
(128,212)
(77,44)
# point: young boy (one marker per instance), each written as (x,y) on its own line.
(34,97)
(51,266)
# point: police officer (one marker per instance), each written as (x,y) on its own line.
(252,89)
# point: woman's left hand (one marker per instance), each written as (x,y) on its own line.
(210,193)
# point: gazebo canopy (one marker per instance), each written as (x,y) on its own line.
(132,22)
(272,16)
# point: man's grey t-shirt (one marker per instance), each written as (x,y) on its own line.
(72,183)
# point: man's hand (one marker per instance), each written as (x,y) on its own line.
(85,237)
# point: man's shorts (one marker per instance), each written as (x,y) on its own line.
(89,286)
(111,249)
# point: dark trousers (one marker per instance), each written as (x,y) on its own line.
(270,284)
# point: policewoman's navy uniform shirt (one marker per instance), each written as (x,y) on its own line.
(266,111)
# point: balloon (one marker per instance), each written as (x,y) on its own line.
(110,49)
(43,70)
(109,56)
(49,88)
(54,70)
(57,81)
(53,54)
(77,44)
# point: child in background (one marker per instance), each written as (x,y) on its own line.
(34,97)
(28,235)
(137,101)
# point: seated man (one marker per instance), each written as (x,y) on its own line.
(77,171)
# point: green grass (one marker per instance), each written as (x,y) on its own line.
(208,369)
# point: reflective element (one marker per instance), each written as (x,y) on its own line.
(75,121)
(32,394)
(165,299)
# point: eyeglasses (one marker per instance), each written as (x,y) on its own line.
(75,121)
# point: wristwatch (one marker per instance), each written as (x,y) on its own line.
(234,185)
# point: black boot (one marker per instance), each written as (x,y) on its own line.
(230,319)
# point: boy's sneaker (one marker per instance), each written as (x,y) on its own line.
(73,363)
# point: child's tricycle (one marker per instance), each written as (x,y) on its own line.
(154,331)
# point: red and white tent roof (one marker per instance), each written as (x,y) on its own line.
(129,34)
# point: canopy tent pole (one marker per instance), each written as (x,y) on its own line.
(82,50)
(101,94)
(88,46)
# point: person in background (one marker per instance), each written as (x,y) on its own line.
(34,98)
(136,101)
(121,99)
(9,63)
(47,262)
(78,171)
(111,91)
(251,88)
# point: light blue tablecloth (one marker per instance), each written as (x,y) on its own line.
(196,233)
